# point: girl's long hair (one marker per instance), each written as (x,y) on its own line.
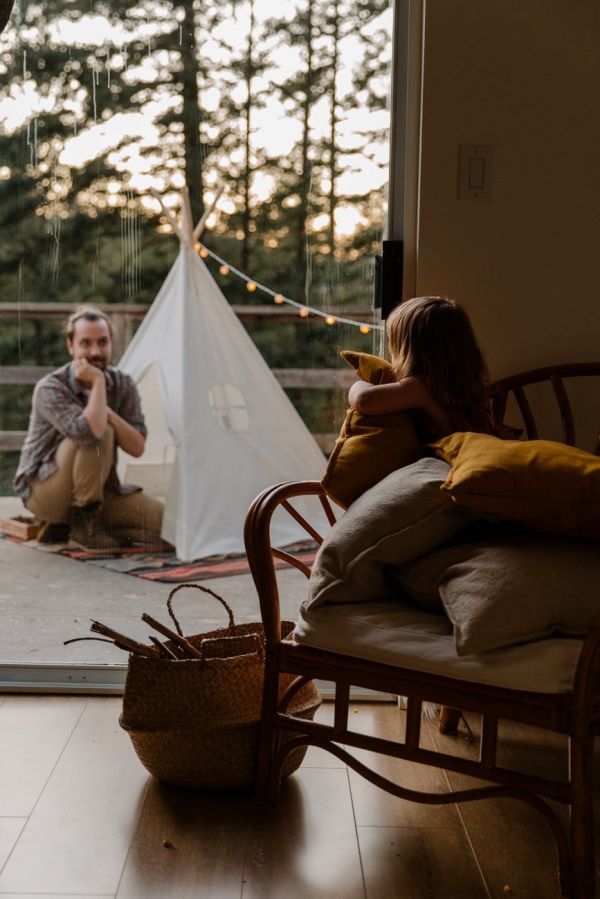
(433,339)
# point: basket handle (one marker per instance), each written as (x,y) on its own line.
(204,590)
(249,642)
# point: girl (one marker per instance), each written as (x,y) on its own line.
(441,379)
(440,371)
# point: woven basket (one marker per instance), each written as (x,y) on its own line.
(194,722)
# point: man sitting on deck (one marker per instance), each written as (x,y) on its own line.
(80,414)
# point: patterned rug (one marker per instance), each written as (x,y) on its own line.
(157,564)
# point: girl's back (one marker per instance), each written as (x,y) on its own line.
(441,373)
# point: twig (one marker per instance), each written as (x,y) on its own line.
(78,639)
(122,641)
(184,644)
(200,226)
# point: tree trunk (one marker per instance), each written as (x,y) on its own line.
(332,128)
(191,111)
(305,177)
(247,216)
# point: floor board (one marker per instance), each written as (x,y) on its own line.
(305,845)
(77,837)
(34,733)
(419,863)
(187,844)
(513,843)
(375,807)
(10,830)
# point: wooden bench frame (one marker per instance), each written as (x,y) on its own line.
(576,714)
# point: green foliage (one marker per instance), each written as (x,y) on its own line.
(8,466)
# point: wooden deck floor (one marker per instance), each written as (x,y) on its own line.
(79,817)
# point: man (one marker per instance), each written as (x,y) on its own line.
(80,414)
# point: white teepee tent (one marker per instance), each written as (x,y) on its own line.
(220,426)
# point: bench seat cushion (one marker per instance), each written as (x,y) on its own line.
(396,633)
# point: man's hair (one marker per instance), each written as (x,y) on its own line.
(89,314)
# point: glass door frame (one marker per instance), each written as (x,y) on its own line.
(402,224)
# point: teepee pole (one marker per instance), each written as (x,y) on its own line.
(188,223)
(202,221)
(167,214)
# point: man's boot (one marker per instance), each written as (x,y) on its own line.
(53,532)
(88,528)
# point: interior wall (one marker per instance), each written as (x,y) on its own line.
(524,77)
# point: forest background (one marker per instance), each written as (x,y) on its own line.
(282,107)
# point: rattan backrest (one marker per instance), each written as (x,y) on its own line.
(555,375)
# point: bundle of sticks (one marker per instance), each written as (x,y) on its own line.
(180,647)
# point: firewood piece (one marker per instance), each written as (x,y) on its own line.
(125,642)
(163,650)
(183,644)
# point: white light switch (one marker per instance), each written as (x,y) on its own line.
(474,172)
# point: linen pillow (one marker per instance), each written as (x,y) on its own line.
(369,446)
(524,589)
(547,486)
(403,516)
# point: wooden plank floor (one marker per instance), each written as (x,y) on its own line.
(79,816)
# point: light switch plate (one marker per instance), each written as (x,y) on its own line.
(474,172)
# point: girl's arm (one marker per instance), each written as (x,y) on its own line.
(380,399)
(409,393)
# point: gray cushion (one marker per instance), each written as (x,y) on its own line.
(397,520)
(395,633)
(521,588)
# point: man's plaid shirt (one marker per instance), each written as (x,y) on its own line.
(57,412)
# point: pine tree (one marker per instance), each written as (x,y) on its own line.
(240,157)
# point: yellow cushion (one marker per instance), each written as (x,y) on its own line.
(547,486)
(369,368)
(369,446)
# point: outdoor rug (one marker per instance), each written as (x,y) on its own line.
(158,564)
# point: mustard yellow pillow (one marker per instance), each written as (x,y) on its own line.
(369,446)
(546,486)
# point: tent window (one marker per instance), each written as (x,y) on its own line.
(229,407)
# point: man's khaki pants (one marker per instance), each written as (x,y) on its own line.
(81,479)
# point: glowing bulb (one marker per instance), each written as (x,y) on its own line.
(331,319)
(364,329)
(278,299)
(303,313)
(250,286)
(197,246)
(224,270)
(203,253)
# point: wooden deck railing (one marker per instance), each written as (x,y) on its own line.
(123,316)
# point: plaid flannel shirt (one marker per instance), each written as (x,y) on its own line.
(57,412)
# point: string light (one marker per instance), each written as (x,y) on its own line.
(303,311)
